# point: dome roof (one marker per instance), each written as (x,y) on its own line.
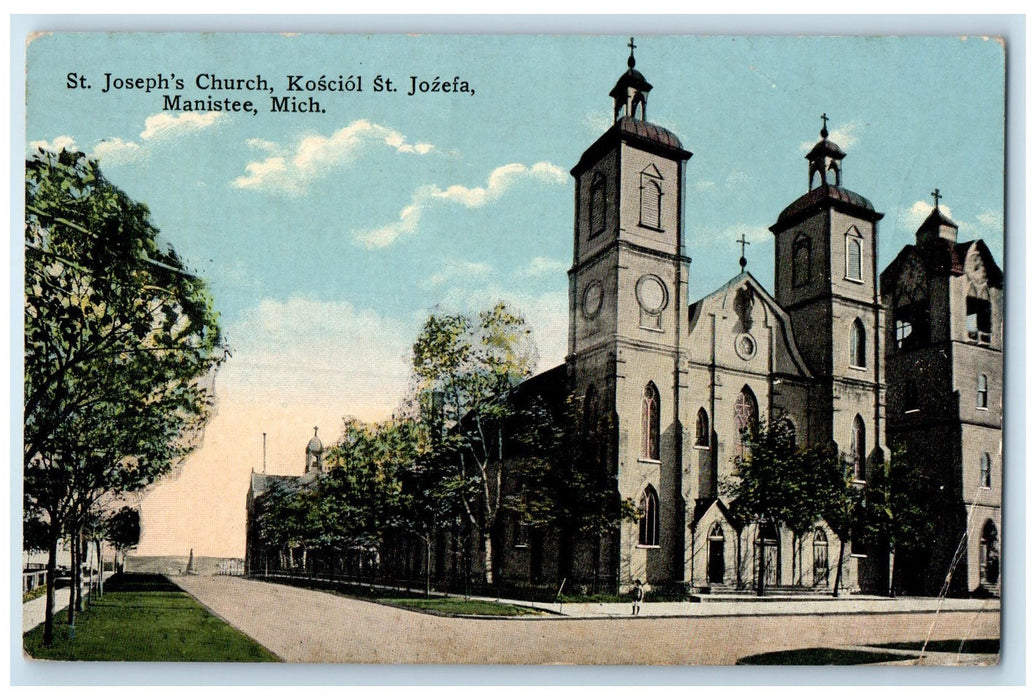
(314,446)
(823,196)
(649,132)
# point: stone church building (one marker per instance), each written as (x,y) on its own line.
(825,350)
(865,359)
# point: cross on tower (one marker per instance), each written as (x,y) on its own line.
(823,129)
(937,197)
(743,243)
(631,61)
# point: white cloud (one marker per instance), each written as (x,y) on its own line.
(289,170)
(499,182)
(912,217)
(55,144)
(161,126)
(844,136)
(542,266)
(736,178)
(115,151)
(703,185)
(546,314)
(752,234)
(598,122)
(456,269)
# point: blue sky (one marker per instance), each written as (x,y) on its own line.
(327,238)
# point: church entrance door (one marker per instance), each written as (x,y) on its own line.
(717,561)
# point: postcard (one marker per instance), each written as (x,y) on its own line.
(514,349)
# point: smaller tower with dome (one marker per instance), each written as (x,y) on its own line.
(315,454)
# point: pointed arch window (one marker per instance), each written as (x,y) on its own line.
(982,392)
(985,471)
(858,449)
(746,419)
(650,423)
(800,259)
(857,344)
(701,429)
(820,563)
(854,255)
(989,554)
(979,321)
(651,198)
(649,517)
(597,205)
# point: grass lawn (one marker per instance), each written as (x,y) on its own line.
(459,606)
(144,618)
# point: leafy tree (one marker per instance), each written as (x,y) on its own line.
(122,530)
(120,340)
(899,500)
(463,367)
(563,478)
(777,482)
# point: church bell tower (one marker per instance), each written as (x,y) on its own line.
(826,278)
(627,310)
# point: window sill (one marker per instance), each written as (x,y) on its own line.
(981,408)
(648,546)
(521,546)
(852,279)
(862,368)
(645,460)
(701,447)
(911,410)
(649,227)
(986,488)
(653,330)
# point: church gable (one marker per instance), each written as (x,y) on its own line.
(750,332)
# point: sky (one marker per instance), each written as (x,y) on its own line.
(328,237)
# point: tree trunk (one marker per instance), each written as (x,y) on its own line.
(100,570)
(838,571)
(52,565)
(760,587)
(487,545)
(740,583)
(428,565)
(73,584)
(892,573)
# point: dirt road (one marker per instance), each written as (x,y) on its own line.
(311,626)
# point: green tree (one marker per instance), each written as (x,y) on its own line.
(563,477)
(121,343)
(122,530)
(462,368)
(777,482)
(897,510)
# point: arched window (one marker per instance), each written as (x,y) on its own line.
(985,471)
(979,321)
(649,423)
(717,556)
(853,255)
(701,429)
(597,205)
(858,449)
(651,198)
(857,344)
(800,259)
(820,565)
(910,400)
(982,393)
(989,554)
(746,418)
(649,517)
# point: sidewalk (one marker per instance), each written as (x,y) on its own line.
(34,612)
(799,605)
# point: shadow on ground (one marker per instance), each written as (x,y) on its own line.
(821,656)
(953,646)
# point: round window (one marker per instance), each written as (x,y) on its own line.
(592,296)
(652,294)
(745,346)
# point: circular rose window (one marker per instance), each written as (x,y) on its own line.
(745,346)
(652,294)
(592,296)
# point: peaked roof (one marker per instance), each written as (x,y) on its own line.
(784,321)
(645,135)
(941,257)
